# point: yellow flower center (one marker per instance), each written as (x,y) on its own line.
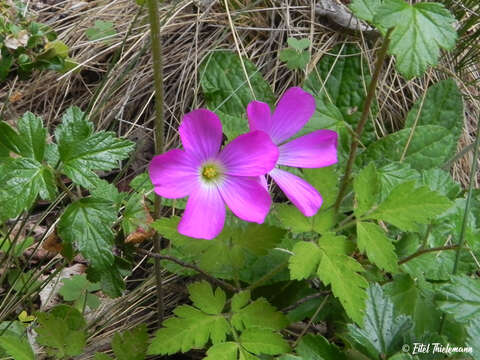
(209,172)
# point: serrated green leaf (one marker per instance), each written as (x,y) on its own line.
(430,146)
(240,300)
(225,87)
(23,180)
(77,288)
(341,79)
(342,273)
(259,314)
(204,298)
(82,151)
(223,351)
(473,331)
(441,182)
(100,30)
(380,250)
(191,328)
(460,298)
(442,105)
(298,44)
(367,188)
(382,334)
(407,206)
(17,348)
(326,181)
(304,261)
(259,238)
(263,341)
(394,174)
(87,223)
(419,31)
(135,215)
(316,347)
(232,125)
(62,331)
(131,344)
(365,9)
(295,59)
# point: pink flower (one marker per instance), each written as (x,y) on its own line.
(314,150)
(212,178)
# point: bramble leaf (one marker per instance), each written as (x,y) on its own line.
(259,314)
(419,31)
(304,261)
(82,151)
(382,334)
(408,205)
(380,250)
(229,92)
(87,223)
(460,298)
(23,180)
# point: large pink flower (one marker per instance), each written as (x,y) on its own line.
(211,177)
(314,150)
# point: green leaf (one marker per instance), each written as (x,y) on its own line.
(101,356)
(131,344)
(259,314)
(304,261)
(460,298)
(259,238)
(316,347)
(367,188)
(223,351)
(298,44)
(419,31)
(443,106)
(78,288)
(382,334)
(30,141)
(82,151)
(441,182)
(380,250)
(341,79)
(87,223)
(100,30)
(62,330)
(225,86)
(473,331)
(23,180)
(191,328)
(326,181)
(233,125)
(240,300)
(430,146)
(263,341)
(342,273)
(394,174)
(407,206)
(203,297)
(365,9)
(295,59)
(17,348)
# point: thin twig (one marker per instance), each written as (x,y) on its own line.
(159,131)
(312,319)
(305,299)
(425,251)
(363,119)
(209,277)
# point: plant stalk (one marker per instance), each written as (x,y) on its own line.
(382,53)
(156,46)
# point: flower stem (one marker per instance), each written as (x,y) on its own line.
(382,53)
(159,131)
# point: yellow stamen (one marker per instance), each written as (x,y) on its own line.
(209,172)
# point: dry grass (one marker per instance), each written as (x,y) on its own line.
(191,30)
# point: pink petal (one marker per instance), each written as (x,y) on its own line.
(293,111)
(303,195)
(174,173)
(246,197)
(201,133)
(251,154)
(314,150)
(259,116)
(204,214)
